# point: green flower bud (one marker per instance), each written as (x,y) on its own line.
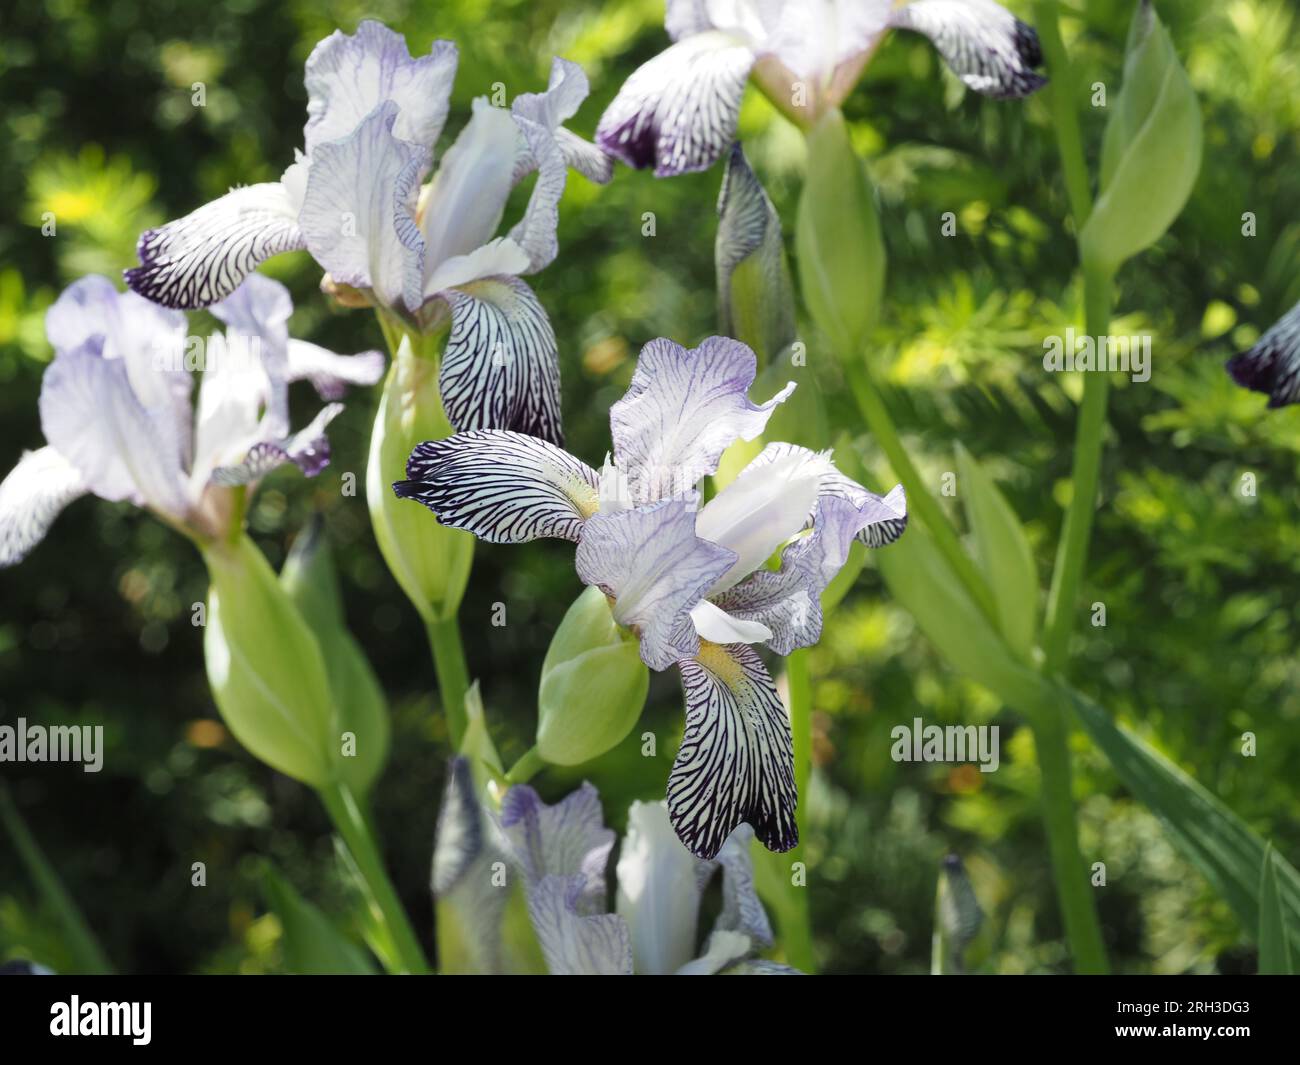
(265,667)
(361,727)
(593,687)
(1152,149)
(841,253)
(430,561)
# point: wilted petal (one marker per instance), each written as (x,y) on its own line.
(654,567)
(660,884)
(501,367)
(568,839)
(679,110)
(348,77)
(575,944)
(122,450)
(202,258)
(736,762)
(504,487)
(308,449)
(986,46)
(682,411)
(358,216)
(332,374)
(31,497)
(1272,366)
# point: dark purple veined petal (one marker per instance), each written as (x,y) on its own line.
(983,43)
(654,567)
(504,487)
(573,943)
(787,602)
(736,761)
(202,258)
(568,839)
(678,111)
(347,77)
(1272,365)
(31,497)
(501,366)
(683,409)
(358,211)
(308,449)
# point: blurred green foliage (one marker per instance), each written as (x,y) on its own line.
(1196,577)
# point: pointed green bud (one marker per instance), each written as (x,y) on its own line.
(1151,153)
(430,561)
(265,667)
(594,684)
(361,726)
(841,253)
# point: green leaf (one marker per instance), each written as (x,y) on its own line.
(1003,553)
(1224,848)
(87,955)
(841,253)
(312,945)
(1275,957)
(359,703)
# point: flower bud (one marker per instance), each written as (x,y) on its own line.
(1151,153)
(841,253)
(593,686)
(265,667)
(361,729)
(430,561)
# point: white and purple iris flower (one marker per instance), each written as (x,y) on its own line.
(119,421)
(691,581)
(561,853)
(1272,365)
(357,201)
(678,111)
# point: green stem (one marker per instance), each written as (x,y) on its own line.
(796,929)
(919,499)
(1065,119)
(528,766)
(453,674)
(350,821)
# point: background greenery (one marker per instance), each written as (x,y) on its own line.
(1196,578)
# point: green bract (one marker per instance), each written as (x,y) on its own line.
(593,686)
(1151,153)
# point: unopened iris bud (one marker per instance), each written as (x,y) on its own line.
(841,253)
(430,561)
(1152,149)
(593,686)
(265,667)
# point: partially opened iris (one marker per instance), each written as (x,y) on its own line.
(689,580)
(423,254)
(678,111)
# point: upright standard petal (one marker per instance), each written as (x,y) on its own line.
(202,258)
(679,110)
(660,884)
(1272,366)
(358,213)
(565,91)
(504,487)
(567,839)
(501,366)
(986,46)
(535,233)
(683,410)
(654,567)
(573,943)
(347,77)
(736,762)
(31,497)
(257,330)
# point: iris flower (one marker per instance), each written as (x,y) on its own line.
(679,110)
(1272,365)
(119,423)
(355,199)
(561,852)
(689,580)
